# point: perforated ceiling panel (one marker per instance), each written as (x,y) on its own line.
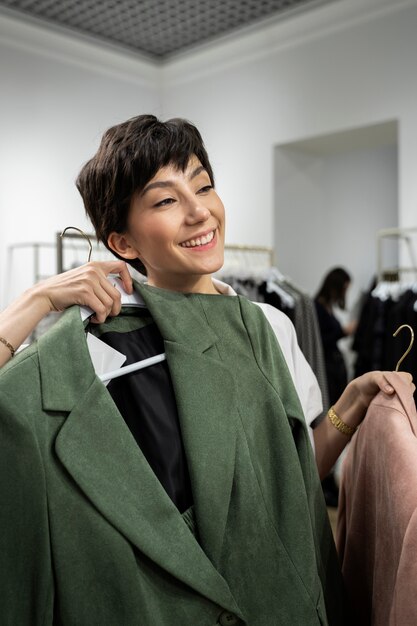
(158,28)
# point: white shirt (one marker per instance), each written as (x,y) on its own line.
(305,382)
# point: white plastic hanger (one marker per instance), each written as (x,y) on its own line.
(134,367)
(133,299)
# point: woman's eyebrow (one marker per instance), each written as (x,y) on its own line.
(197,171)
(162,184)
(157,184)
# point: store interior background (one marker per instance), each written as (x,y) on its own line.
(310,123)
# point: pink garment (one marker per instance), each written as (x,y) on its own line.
(377,520)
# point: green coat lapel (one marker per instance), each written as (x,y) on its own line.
(97,449)
(206,402)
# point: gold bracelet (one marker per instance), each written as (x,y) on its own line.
(8,345)
(340,424)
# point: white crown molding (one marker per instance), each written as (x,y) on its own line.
(65,45)
(269,39)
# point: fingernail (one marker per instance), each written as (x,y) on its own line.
(388,388)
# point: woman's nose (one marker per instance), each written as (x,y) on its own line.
(197,212)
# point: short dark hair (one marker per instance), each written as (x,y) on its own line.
(129,156)
(332,289)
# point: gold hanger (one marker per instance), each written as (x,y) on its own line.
(83,234)
(410,345)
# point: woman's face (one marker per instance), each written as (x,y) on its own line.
(176,228)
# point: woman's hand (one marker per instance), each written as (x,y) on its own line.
(351,408)
(86,286)
(359,393)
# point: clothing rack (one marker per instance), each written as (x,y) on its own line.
(403,234)
(252,249)
(247,257)
(33,258)
(259,255)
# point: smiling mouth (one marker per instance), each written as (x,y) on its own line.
(199,241)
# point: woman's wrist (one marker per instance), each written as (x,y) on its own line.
(350,406)
(22,315)
(38,298)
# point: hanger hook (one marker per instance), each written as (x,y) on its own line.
(83,234)
(410,345)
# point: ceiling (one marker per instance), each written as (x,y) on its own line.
(156,28)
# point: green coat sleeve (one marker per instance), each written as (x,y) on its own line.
(26,581)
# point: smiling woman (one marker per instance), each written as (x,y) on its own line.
(176,228)
(187,492)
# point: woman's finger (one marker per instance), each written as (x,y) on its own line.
(116,267)
(104,290)
(101,311)
(125,277)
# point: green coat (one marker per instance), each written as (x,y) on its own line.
(89,536)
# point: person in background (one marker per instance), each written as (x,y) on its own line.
(86,285)
(331,294)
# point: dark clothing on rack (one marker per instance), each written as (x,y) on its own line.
(374,343)
(273,298)
(402,312)
(310,341)
(331,331)
(371,336)
(247,287)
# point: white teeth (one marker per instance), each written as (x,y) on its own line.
(200,241)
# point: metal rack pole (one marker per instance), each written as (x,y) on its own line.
(399,233)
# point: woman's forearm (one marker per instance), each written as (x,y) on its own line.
(330,442)
(19,320)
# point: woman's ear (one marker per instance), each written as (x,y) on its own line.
(120,243)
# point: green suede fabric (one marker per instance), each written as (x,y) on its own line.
(130,318)
(89,536)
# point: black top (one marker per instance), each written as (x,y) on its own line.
(330,328)
(147,403)
(331,331)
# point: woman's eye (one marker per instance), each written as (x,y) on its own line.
(164,202)
(205,189)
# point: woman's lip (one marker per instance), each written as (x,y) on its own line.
(204,246)
(207,232)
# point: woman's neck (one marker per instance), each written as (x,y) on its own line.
(191,284)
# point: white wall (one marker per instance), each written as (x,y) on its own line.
(332,204)
(58,96)
(345,65)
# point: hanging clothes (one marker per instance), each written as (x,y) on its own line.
(384,309)
(89,534)
(277,290)
(377,519)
